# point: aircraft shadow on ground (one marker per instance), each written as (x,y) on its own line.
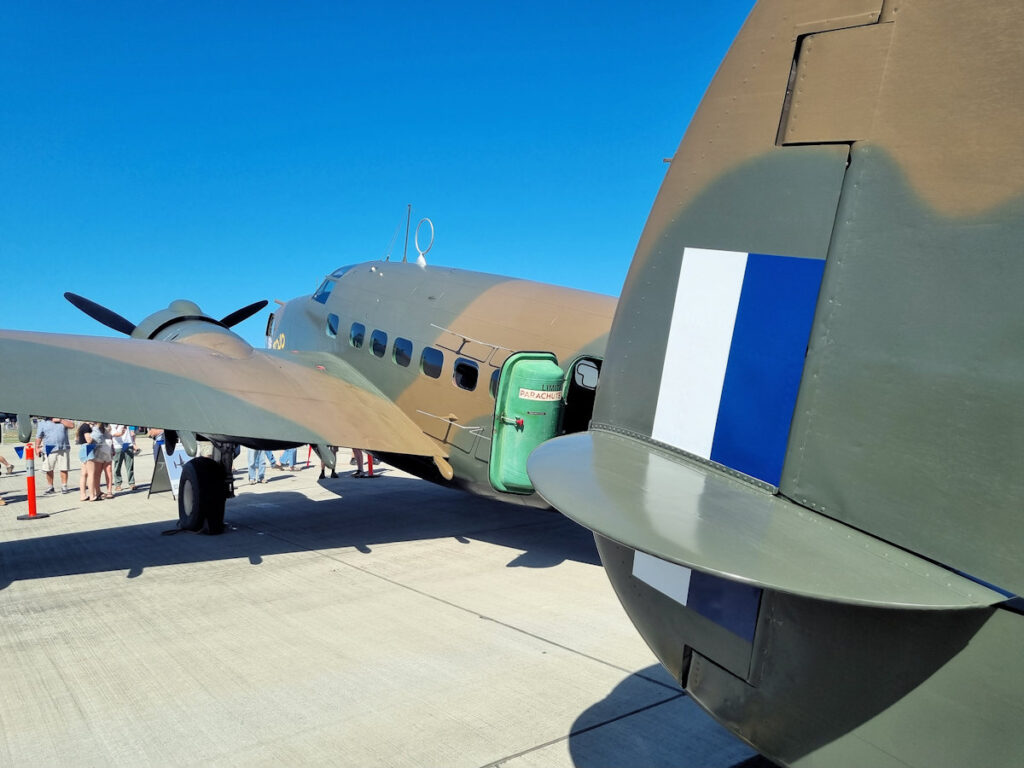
(661,726)
(272,523)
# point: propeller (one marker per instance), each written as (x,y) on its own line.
(114,321)
(101,314)
(244,313)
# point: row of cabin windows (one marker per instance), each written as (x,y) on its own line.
(465,373)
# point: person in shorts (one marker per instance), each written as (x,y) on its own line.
(89,485)
(104,457)
(54,450)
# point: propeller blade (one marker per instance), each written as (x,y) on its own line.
(244,313)
(101,314)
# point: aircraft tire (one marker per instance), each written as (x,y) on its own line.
(201,496)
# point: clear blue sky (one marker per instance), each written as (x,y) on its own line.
(227,152)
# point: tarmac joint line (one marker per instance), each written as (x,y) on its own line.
(498,763)
(472,611)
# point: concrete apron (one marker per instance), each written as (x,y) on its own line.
(340,622)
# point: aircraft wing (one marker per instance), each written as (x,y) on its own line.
(233,390)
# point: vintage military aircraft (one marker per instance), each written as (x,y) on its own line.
(453,375)
(804,466)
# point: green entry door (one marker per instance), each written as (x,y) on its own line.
(527,412)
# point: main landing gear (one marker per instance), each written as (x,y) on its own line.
(205,484)
(201,496)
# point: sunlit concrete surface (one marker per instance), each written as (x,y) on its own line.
(346,622)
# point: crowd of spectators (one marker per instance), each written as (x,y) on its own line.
(106,453)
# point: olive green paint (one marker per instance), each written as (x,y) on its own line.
(846,687)
(910,419)
(835,685)
(660,502)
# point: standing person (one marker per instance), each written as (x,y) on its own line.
(158,440)
(89,486)
(104,458)
(124,455)
(7,464)
(4,462)
(272,460)
(257,466)
(357,459)
(288,459)
(54,449)
(323,467)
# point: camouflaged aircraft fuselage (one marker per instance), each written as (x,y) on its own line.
(380,317)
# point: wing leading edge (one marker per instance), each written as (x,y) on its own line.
(249,394)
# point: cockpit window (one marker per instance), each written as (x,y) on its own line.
(340,272)
(324,291)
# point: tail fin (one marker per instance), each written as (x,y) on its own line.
(824,300)
(810,419)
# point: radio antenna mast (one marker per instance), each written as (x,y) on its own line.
(391,245)
(405,250)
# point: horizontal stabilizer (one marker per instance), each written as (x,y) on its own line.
(688,513)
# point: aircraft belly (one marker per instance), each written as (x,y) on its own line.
(847,686)
(832,684)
